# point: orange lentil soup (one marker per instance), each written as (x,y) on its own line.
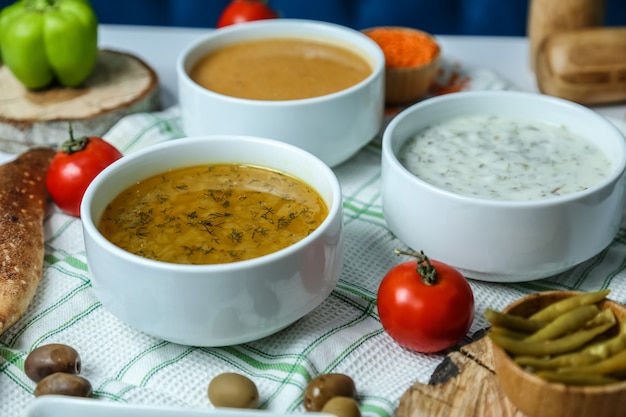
(280,69)
(212,214)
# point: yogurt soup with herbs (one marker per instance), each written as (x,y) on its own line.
(504,158)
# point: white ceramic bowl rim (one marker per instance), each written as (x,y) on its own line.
(374,52)
(90,225)
(618,171)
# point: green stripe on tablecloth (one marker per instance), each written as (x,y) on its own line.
(610,277)
(375,146)
(385,409)
(70,260)
(103,394)
(351,301)
(588,270)
(354,212)
(11,358)
(123,392)
(358,291)
(74,263)
(14,361)
(18,379)
(125,368)
(351,348)
(163,126)
(44,312)
(621,236)
(114,393)
(236,356)
(68,324)
(585,272)
(341,335)
(164,364)
(278,364)
(60,230)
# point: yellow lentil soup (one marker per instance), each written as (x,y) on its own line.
(212,214)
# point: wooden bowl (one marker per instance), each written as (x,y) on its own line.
(403,85)
(406,83)
(537,397)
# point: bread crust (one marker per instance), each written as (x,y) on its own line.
(22,208)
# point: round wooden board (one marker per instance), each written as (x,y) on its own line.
(121,84)
(464,385)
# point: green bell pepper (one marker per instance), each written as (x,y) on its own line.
(46,40)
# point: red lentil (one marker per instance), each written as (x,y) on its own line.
(404,48)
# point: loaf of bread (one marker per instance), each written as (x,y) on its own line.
(22,209)
(587,66)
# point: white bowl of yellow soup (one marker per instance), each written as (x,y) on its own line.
(185,240)
(315,85)
(505,186)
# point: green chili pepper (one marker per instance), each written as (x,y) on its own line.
(560,361)
(577,378)
(565,323)
(615,364)
(554,310)
(512,334)
(609,347)
(561,345)
(589,355)
(46,40)
(513,322)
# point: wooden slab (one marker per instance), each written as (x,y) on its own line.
(121,84)
(464,385)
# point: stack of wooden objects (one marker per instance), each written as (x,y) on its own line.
(573,56)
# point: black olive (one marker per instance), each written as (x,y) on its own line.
(60,383)
(48,359)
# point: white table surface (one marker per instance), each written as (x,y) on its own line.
(160,47)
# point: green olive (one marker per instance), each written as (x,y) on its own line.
(342,407)
(48,359)
(326,386)
(234,391)
(60,383)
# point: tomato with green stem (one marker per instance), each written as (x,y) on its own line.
(73,168)
(425,305)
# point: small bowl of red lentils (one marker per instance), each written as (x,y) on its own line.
(412,59)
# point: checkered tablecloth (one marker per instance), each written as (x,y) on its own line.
(343,334)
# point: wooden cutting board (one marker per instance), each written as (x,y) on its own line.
(463,385)
(121,84)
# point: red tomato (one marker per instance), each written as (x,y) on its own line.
(74,167)
(425,315)
(239,11)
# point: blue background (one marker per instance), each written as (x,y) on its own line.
(468,17)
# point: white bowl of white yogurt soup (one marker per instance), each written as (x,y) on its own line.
(505,186)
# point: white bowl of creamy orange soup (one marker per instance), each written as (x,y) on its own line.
(315,85)
(506,186)
(214,241)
